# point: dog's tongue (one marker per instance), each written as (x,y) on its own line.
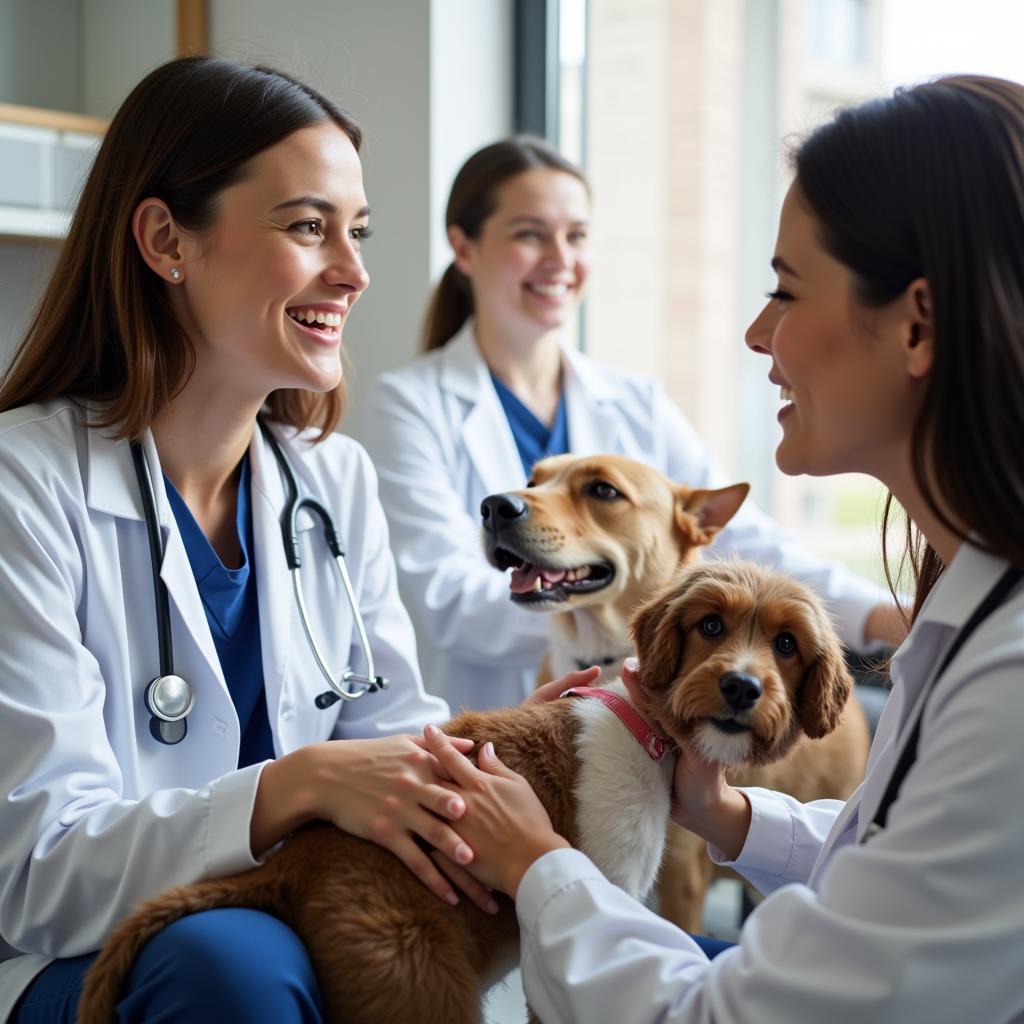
(524,579)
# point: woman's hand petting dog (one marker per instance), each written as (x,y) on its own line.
(504,822)
(556,687)
(390,790)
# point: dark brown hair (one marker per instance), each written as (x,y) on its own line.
(104,330)
(930,183)
(472,200)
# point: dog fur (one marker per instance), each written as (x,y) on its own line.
(624,531)
(383,947)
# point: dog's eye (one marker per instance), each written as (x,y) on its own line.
(785,644)
(531,483)
(712,625)
(603,490)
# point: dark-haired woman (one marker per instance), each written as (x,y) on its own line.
(897,330)
(211,265)
(499,389)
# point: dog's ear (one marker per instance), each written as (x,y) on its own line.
(826,687)
(701,513)
(658,636)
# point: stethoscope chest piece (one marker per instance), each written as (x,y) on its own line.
(169,699)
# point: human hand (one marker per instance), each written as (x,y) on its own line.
(504,822)
(556,687)
(887,623)
(479,894)
(389,790)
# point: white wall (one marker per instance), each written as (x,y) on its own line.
(28,31)
(24,268)
(122,40)
(470,97)
(429,81)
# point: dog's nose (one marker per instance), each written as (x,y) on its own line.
(499,510)
(740,690)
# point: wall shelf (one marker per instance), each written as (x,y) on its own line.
(44,158)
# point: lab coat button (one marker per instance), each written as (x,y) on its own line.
(287,713)
(220,726)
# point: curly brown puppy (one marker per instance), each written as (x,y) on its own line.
(744,664)
(740,662)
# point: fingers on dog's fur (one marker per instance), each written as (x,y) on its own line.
(700,514)
(827,685)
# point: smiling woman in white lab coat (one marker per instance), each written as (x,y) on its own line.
(498,389)
(898,328)
(209,271)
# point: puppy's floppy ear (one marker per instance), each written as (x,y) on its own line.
(827,685)
(700,514)
(658,636)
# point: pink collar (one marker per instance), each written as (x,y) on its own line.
(656,745)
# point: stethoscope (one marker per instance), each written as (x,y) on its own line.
(169,698)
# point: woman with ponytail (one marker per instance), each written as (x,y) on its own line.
(498,389)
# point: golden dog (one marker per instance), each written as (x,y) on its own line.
(594,537)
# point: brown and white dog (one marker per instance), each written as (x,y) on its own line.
(594,537)
(383,947)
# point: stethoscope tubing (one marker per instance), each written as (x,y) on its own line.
(168,724)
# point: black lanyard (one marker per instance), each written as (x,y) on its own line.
(990,602)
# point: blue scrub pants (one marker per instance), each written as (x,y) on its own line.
(210,968)
(711,947)
(217,966)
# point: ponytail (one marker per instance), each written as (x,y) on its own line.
(450,307)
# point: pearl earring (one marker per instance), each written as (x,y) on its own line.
(175,274)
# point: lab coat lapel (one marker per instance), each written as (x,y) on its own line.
(484,428)
(273,578)
(112,488)
(593,428)
(176,572)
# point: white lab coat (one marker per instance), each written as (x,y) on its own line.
(923,923)
(95,815)
(441,443)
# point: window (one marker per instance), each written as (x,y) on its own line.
(686,106)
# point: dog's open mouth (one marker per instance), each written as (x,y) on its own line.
(533,583)
(729,726)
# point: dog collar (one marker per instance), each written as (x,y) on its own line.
(657,746)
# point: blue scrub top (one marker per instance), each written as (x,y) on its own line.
(232,610)
(534,439)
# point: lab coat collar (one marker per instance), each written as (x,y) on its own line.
(273,579)
(113,489)
(970,574)
(111,485)
(485,430)
(589,388)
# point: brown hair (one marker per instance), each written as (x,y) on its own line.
(472,200)
(104,330)
(930,183)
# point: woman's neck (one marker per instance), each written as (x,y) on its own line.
(201,439)
(530,366)
(905,490)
